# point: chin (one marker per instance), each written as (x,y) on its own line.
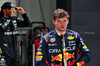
(62,30)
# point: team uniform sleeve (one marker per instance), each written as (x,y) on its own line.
(83,51)
(25,22)
(41,52)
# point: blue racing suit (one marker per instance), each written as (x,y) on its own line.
(50,49)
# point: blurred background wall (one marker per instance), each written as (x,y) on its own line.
(86,20)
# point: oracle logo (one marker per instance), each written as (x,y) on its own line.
(54,50)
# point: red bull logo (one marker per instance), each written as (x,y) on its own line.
(57,58)
(71,63)
(80,63)
(69,55)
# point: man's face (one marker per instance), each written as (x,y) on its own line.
(10,12)
(61,24)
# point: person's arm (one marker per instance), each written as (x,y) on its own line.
(41,52)
(4,23)
(84,52)
(25,22)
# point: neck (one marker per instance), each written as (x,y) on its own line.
(5,16)
(61,32)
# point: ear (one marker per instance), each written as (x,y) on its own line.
(53,21)
(67,21)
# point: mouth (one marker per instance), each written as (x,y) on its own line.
(62,27)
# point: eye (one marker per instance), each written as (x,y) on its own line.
(64,20)
(58,21)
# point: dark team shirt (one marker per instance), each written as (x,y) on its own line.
(8,31)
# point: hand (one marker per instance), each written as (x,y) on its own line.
(12,10)
(20,10)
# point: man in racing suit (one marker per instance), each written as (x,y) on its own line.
(52,49)
(8,32)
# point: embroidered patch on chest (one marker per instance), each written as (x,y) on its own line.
(52,40)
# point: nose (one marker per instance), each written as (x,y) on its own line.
(62,23)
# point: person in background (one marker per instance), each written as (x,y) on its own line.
(9,53)
(60,46)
